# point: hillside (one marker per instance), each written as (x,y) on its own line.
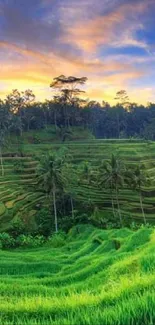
(97,277)
(20,196)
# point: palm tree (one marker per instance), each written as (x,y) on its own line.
(49,175)
(86,177)
(85,172)
(136,179)
(112,175)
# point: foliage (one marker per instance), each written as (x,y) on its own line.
(44,221)
(67,109)
(111,175)
(136,179)
(17,227)
(15,240)
(49,176)
(82,186)
(36,139)
(6,241)
(105,219)
(30,241)
(57,240)
(135,226)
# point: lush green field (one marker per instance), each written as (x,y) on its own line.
(97,277)
(20,196)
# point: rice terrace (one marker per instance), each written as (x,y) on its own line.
(97,277)
(88,274)
(77,162)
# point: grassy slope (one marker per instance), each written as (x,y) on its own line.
(98,277)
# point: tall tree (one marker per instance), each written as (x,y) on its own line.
(70,182)
(113,177)
(17,102)
(28,101)
(68,90)
(49,175)
(137,179)
(86,177)
(122,97)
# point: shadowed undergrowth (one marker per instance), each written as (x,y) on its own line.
(99,277)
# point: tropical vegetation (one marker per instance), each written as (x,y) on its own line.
(77,207)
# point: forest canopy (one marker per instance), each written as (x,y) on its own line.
(20,111)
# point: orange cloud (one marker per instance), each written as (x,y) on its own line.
(113,28)
(43,67)
(35,70)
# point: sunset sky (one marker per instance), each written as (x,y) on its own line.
(112,42)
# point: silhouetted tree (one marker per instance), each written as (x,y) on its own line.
(69,92)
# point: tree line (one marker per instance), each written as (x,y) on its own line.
(19,112)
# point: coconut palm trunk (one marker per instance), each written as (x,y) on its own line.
(118,207)
(113,207)
(55,207)
(141,205)
(112,201)
(72,207)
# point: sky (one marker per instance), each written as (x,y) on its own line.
(111,42)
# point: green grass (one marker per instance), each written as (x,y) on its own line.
(89,280)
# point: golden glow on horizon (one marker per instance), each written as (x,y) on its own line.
(25,65)
(36,71)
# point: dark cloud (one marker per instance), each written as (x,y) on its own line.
(46,37)
(42,24)
(25,23)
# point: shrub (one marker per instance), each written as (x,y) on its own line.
(44,221)
(36,139)
(57,240)
(104,219)
(17,227)
(135,226)
(30,241)
(82,218)
(6,241)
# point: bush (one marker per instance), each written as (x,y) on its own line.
(6,241)
(135,226)
(30,241)
(104,219)
(17,227)
(36,139)
(44,221)
(57,240)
